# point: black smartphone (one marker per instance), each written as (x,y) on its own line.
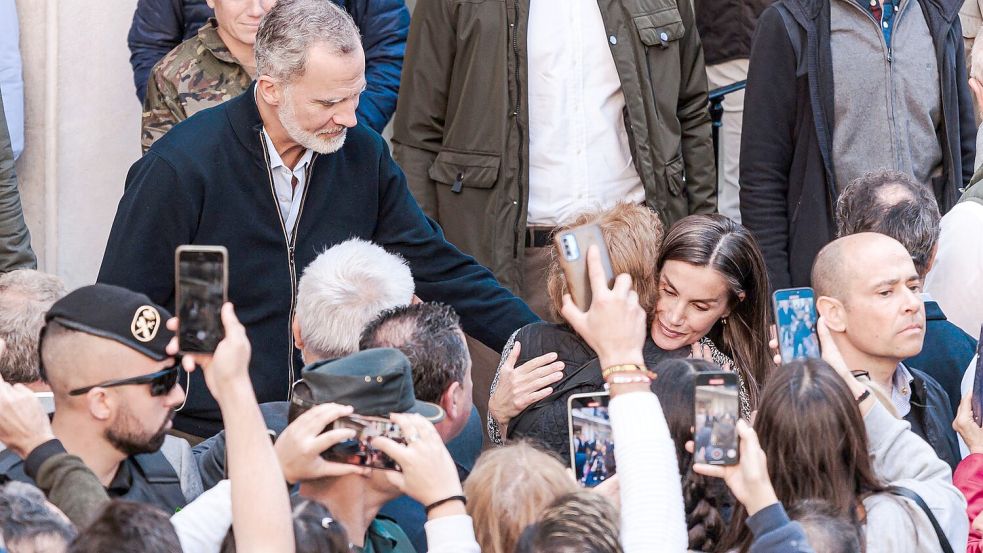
(359,451)
(715,420)
(591,438)
(201,287)
(795,321)
(977,400)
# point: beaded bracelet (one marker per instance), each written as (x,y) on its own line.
(436,504)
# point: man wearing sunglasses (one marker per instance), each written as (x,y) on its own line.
(116,391)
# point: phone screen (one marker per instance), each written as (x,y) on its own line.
(201,286)
(591,439)
(359,451)
(795,319)
(715,423)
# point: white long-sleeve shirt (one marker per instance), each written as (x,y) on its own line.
(201,526)
(652,510)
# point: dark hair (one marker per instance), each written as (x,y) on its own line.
(429,334)
(911,218)
(717,242)
(128,527)
(703,498)
(315,530)
(579,522)
(805,400)
(826,530)
(25,518)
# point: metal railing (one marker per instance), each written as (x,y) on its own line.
(716,98)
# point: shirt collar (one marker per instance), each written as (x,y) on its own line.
(276,161)
(210,39)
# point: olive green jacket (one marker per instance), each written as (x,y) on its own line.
(15,240)
(461,130)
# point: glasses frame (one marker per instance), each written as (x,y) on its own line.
(154,379)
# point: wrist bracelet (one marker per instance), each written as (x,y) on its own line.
(620,369)
(626,378)
(863,396)
(436,504)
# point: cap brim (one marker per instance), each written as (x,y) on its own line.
(430,411)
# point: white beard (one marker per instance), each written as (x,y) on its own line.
(307,139)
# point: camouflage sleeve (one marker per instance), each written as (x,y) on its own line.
(162,108)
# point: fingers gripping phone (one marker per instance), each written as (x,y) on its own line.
(359,451)
(201,287)
(572,247)
(591,438)
(977,399)
(715,420)
(795,320)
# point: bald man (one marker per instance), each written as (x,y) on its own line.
(115,392)
(868,294)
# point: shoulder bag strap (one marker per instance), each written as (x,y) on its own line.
(912,495)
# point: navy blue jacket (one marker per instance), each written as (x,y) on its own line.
(946,352)
(207,182)
(160,25)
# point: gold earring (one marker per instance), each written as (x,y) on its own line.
(723,320)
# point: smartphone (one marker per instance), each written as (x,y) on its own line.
(572,246)
(359,451)
(47,400)
(977,400)
(715,420)
(795,321)
(591,439)
(201,287)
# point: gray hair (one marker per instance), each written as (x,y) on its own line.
(893,204)
(29,523)
(292,27)
(25,296)
(345,288)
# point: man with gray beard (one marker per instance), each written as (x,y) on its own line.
(277,175)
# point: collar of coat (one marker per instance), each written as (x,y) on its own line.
(210,39)
(810,9)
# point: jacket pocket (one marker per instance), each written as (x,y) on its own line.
(460,169)
(662,27)
(674,175)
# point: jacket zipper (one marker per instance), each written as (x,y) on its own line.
(515,113)
(291,241)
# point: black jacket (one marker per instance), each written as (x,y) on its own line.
(931,417)
(787,186)
(207,182)
(160,25)
(726,27)
(545,421)
(946,353)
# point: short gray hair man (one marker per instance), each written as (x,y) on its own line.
(341,291)
(893,204)
(25,296)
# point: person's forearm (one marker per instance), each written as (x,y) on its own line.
(451,534)
(67,482)
(261,517)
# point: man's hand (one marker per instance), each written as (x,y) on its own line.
(429,473)
(966,426)
(747,480)
(23,423)
(614,326)
(228,368)
(300,445)
(520,387)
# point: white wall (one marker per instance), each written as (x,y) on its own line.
(82,132)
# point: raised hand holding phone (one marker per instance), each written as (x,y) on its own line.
(747,480)
(201,288)
(614,326)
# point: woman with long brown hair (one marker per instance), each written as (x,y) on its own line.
(821,443)
(713,296)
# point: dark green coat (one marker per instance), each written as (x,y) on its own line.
(15,240)
(462,116)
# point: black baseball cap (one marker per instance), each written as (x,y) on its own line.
(117,314)
(375,382)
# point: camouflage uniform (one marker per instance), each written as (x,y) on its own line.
(200,73)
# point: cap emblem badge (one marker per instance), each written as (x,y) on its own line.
(146,322)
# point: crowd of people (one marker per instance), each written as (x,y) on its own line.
(401,352)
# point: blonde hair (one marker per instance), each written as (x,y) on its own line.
(633,235)
(509,489)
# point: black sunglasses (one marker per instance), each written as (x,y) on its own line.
(161,382)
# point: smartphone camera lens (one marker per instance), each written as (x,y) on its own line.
(570,249)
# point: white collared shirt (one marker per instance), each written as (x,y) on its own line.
(901,390)
(288,197)
(579,156)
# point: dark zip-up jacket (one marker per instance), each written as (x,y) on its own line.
(159,26)
(461,129)
(208,181)
(726,27)
(788,188)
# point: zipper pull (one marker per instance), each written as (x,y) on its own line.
(290,252)
(458,184)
